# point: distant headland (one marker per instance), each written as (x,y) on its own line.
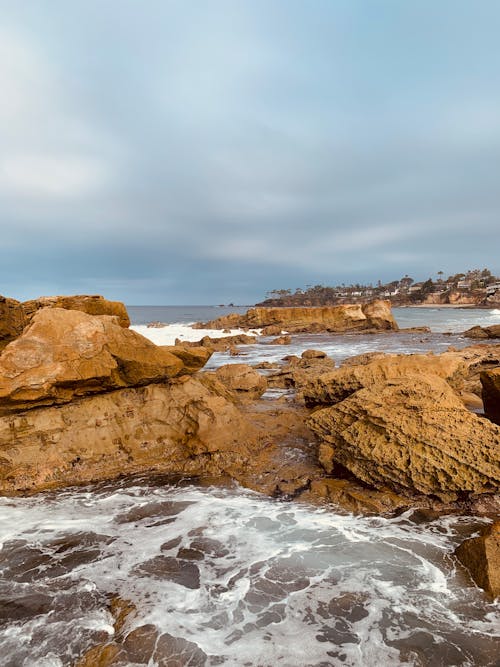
(477,287)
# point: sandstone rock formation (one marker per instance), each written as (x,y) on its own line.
(242,380)
(481,556)
(63,354)
(490,381)
(222,344)
(412,435)
(372,369)
(178,427)
(15,315)
(298,372)
(376,315)
(483,332)
(12,320)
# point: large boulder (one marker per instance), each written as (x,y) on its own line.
(412,435)
(481,556)
(330,388)
(376,315)
(67,353)
(94,304)
(490,381)
(179,427)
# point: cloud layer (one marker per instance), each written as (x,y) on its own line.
(174,152)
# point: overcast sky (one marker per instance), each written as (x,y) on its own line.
(207,151)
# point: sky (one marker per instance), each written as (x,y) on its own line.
(209,151)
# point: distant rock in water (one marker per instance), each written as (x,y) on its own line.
(483,332)
(376,315)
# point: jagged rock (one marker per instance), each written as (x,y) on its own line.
(91,304)
(481,556)
(181,427)
(490,381)
(242,380)
(63,354)
(376,315)
(330,388)
(412,435)
(353,497)
(483,332)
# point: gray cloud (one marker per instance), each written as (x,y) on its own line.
(182,153)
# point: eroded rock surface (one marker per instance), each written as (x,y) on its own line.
(412,435)
(376,315)
(64,354)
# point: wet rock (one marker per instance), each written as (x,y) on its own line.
(64,354)
(21,607)
(178,652)
(353,497)
(182,572)
(281,340)
(478,332)
(244,381)
(481,556)
(219,344)
(271,330)
(313,354)
(413,436)
(490,381)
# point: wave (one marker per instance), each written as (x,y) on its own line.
(167,334)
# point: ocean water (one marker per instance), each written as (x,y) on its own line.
(247,580)
(234,578)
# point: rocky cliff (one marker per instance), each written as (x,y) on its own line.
(355,317)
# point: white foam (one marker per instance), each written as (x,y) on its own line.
(270,588)
(167,334)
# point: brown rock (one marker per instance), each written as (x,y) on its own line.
(12,320)
(481,556)
(353,497)
(92,305)
(181,427)
(298,372)
(412,435)
(490,381)
(483,332)
(242,380)
(281,340)
(67,353)
(337,385)
(219,344)
(313,354)
(271,330)
(348,317)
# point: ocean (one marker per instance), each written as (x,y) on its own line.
(240,579)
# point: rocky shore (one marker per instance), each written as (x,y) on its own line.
(83,398)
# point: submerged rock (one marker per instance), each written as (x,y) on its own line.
(481,556)
(414,436)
